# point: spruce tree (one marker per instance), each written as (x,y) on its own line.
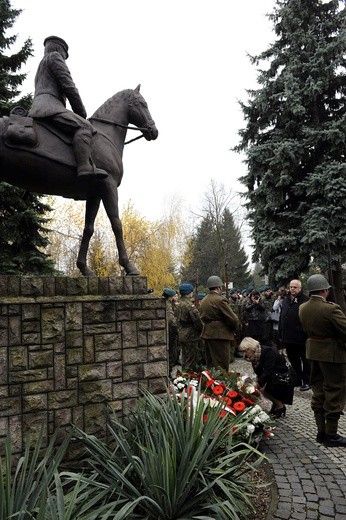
(294,142)
(22,232)
(217,250)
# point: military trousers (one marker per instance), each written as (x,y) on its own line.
(328,383)
(190,354)
(218,353)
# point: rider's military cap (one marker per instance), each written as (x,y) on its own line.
(58,40)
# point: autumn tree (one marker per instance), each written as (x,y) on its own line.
(154,247)
(294,143)
(23,215)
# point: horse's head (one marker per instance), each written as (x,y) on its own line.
(139,115)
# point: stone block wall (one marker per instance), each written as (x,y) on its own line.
(70,345)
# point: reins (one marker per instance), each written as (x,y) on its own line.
(114,123)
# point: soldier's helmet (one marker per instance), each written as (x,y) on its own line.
(317,282)
(214,281)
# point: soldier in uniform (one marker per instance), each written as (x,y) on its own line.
(169,294)
(325,324)
(235,306)
(189,328)
(53,84)
(268,300)
(220,324)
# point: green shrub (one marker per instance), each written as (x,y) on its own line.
(168,464)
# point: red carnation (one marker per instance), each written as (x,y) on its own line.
(239,406)
(227,401)
(232,394)
(218,390)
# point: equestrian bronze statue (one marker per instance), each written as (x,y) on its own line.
(60,154)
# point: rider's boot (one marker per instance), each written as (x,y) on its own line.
(85,166)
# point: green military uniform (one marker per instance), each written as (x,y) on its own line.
(172,335)
(325,324)
(220,324)
(235,306)
(189,329)
(173,350)
(268,301)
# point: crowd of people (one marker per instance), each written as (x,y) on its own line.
(277,331)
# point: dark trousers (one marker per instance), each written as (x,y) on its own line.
(296,354)
(328,382)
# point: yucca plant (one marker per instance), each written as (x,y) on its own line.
(35,489)
(24,489)
(168,464)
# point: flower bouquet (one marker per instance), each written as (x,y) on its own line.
(235,395)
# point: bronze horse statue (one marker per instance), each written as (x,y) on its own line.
(43,162)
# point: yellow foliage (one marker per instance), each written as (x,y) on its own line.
(154,247)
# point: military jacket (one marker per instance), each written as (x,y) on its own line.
(53,84)
(325,324)
(220,322)
(189,320)
(235,306)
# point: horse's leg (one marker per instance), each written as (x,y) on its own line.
(91,208)
(110,202)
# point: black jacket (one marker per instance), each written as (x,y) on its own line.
(290,328)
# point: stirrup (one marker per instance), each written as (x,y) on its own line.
(95,173)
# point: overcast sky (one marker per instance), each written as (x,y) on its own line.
(190,57)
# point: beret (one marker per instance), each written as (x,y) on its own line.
(169,292)
(186,288)
(201,295)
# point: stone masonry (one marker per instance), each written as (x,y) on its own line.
(70,345)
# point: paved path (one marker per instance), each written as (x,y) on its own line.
(310,479)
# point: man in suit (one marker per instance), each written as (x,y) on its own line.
(219,325)
(325,324)
(292,335)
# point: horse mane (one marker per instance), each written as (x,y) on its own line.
(108,106)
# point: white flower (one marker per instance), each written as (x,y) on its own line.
(250,389)
(180,386)
(250,428)
(263,416)
(255,409)
(179,380)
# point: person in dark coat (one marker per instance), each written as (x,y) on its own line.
(292,335)
(265,361)
(255,317)
(325,324)
(219,325)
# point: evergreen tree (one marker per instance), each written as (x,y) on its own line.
(22,233)
(294,143)
(217,250)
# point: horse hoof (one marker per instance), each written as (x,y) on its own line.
(131,270)
(86,271)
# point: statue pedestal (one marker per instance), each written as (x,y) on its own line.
(70,345)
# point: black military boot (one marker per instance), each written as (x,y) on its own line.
(334,441)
